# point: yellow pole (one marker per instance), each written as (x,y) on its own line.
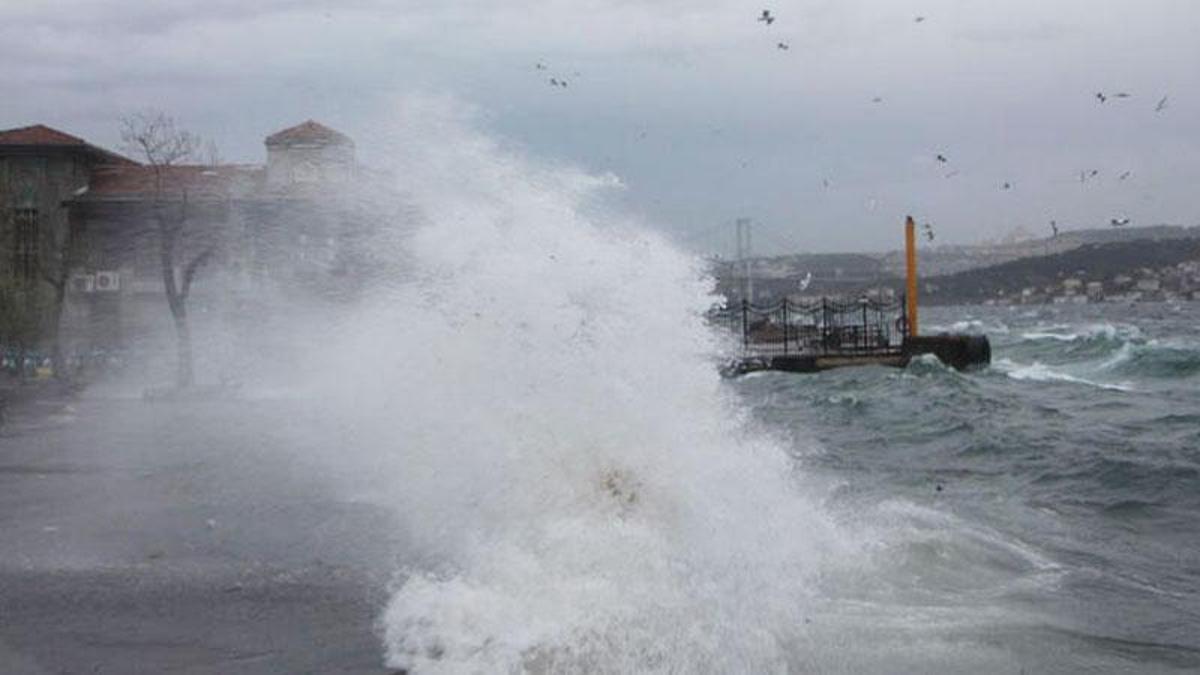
(910,257)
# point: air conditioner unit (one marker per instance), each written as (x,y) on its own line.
(83,283)
(108,281)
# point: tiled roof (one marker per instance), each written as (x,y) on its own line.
(40,134)
(309,132)
(199,181)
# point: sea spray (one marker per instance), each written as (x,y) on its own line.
(541,399)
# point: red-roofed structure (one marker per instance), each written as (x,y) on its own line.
(306,133)
(292,225)
(199,182)
(38,136)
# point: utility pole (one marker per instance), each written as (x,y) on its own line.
(743,256)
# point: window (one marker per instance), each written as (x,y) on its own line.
(25,243)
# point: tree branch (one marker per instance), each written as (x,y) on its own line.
(189,272)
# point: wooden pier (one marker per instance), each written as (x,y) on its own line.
(809,337)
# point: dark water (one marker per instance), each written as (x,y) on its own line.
(1054,495)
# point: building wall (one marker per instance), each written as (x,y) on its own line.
(35,184)
(296,164)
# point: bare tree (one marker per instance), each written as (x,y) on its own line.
(155,137)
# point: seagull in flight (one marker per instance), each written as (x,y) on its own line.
(540,66)
(1054,228)
(942,158)
(928,231)
(1007,186)
(784,46)
(877,99)
(805,282)
(1101,97)
(918,19)
(766,17)
(1124,175)
(1121,95)
(1162,105)
(1119,222)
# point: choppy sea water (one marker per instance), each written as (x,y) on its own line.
(1047,507)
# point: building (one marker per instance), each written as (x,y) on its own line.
(297,227)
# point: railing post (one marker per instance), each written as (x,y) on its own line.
(745,325)
(824,325)
(785,325)
(865,343)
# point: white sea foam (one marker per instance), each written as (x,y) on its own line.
(970,327)
(541,407)
(1063,333)
(1039,372)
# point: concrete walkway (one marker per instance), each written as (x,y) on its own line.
(142,538)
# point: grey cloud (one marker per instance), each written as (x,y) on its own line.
(1006,88)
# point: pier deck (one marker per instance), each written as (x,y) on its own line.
(813,337)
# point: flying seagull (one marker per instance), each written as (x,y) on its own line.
(1119,222)
(783,45)
(805,282)
(540,66)
(1162,105)
(877,99)
(1007,186)
(1101,97)
(918,19)
(928,231)
(952,174)
(1124,175)
(1121,95)
(766,17)
(1054,228)
(942,158)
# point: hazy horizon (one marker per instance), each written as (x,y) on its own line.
(694,106)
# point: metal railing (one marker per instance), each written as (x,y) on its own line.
(830,326)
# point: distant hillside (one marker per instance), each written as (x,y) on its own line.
(1090,262)
(849,273)
(943,260)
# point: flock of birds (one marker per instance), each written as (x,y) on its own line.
(767,19)
(1084,176)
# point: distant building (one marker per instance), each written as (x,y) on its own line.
(40,169)
(298,225)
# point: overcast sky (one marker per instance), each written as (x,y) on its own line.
(692,103)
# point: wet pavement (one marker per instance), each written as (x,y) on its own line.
(156,538)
